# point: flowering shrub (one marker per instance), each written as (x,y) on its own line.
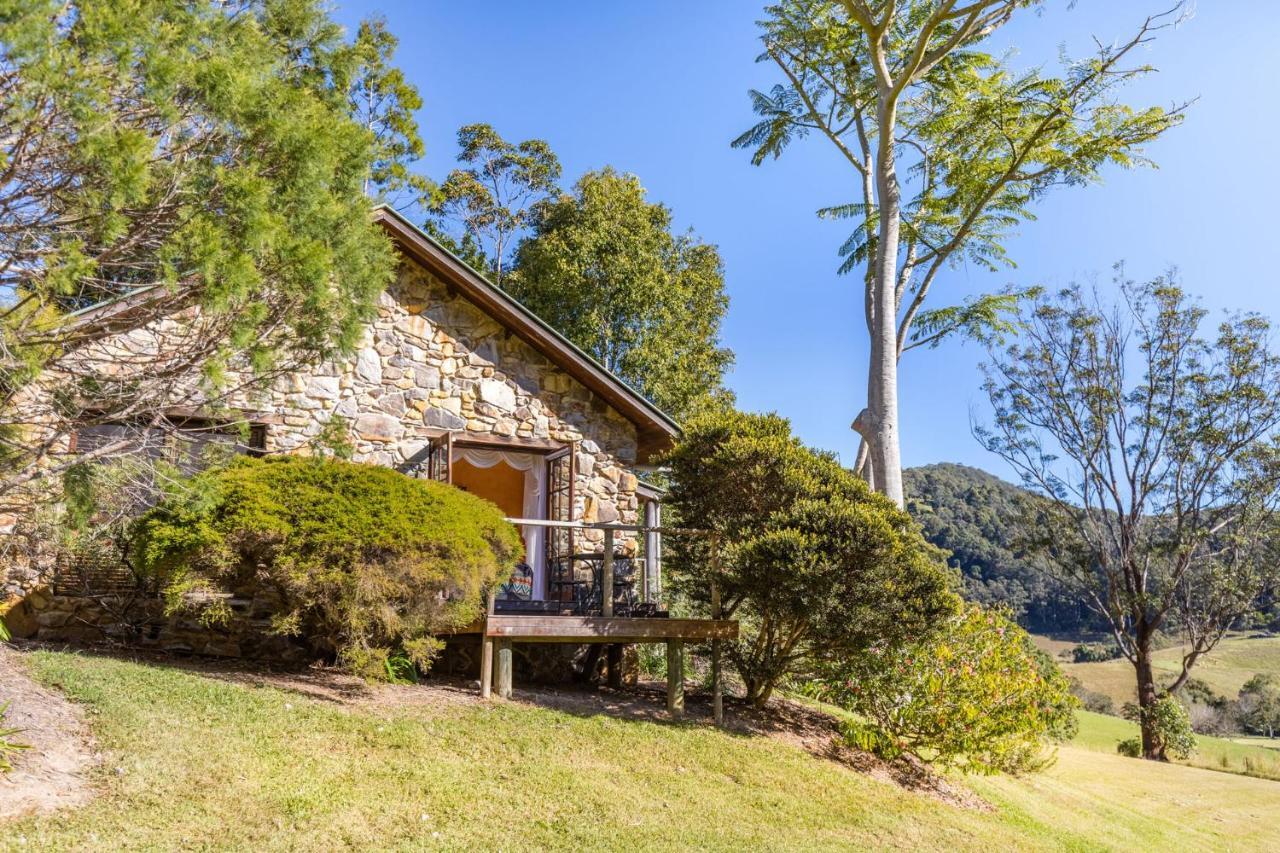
(977,696)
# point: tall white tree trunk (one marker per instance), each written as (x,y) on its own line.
(878,424)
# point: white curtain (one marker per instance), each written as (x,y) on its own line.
(535,474)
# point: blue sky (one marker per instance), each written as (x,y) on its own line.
(659,89)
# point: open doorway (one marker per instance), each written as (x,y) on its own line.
(516,482)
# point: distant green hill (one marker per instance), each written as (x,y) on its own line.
(978,517)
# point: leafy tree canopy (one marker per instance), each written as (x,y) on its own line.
(948,148)
(490,198)
(185,154)
(603,266)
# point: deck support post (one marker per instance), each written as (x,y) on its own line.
(504,669)
(606,575)
(486,650)
(675,678)
(486,667)
(615,665)
(717,681)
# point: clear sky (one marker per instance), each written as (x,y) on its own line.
(659,88)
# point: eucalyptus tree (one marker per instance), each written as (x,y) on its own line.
(383,100)
(165,159)
(948,146)
(603,266)
(1158,448)
(492,197)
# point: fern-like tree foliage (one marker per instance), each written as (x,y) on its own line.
(203,162)
(948,148)
(1157,446)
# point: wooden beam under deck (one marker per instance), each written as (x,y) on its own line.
(604,629)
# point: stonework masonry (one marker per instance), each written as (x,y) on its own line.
(433,362)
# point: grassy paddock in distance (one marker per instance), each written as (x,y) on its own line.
(1236,659)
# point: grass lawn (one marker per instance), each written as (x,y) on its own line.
(1225,669)
(194,762)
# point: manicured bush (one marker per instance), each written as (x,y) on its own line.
(367,564)
(1170,724)
(977,696)
(810,561)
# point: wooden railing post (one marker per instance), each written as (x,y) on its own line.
(606,575)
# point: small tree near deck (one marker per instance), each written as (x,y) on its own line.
(1157,449)
(812,563)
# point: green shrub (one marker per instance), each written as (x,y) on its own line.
(1094,652)
(366,562)
(808,559)
(1170,723)
(8,746)
(977,696)
(1130,747)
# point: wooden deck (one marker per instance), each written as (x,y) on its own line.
(606,629)
(500,631)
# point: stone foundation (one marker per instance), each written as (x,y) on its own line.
(141,623)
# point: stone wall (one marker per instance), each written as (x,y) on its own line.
(432,361)
(140,622)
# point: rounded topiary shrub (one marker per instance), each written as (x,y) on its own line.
(361,562)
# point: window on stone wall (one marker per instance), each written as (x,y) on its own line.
(190,444)
(149,452)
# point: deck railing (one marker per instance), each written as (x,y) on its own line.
(675,658)
(610,530)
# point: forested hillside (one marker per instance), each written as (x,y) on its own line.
(978,518)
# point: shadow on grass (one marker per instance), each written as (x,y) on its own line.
(802,726)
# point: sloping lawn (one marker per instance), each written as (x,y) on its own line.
(1101,733)
(193,762)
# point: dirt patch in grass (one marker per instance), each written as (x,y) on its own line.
(52,773)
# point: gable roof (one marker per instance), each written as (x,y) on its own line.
(655,430)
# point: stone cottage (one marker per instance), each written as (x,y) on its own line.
(456,381)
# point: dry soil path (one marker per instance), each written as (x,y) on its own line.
(50,775)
